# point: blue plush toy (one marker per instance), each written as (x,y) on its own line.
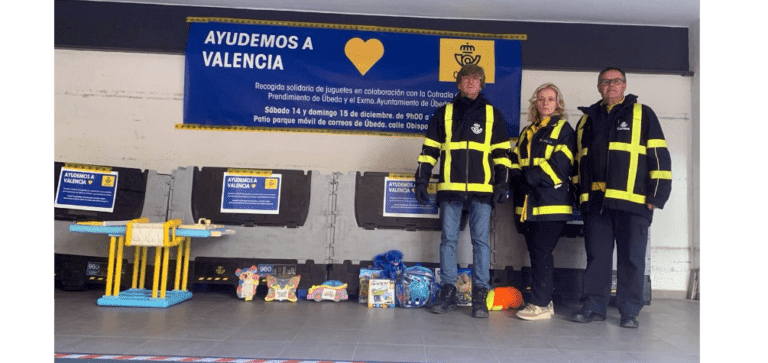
(390,263)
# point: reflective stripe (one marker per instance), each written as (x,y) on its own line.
(583,197)
(598,186)
(427,159)
(564,149)
(620,194)
(552,209)
(447,146)
(466,145)
(661,174)
(623,146)
(502,161)
(461,187)
(634,152)
(432,143)
(575,179)
(501,145)
(487,143)
(519,210)
(657,143)
(515,166)
(551,172)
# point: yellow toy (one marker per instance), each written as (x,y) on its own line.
(503,298)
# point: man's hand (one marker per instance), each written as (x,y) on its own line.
(499,194)
(421,194)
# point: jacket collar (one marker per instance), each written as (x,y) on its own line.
(597,107)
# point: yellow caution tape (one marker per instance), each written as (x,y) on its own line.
(195,19)
(86,167)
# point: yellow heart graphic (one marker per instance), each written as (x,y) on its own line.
(364,54)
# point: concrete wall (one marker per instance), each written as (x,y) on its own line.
(119,109)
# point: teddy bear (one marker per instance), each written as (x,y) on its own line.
(390,263)
(249,279)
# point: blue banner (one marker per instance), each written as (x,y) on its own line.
(244,193)
(338,78)
(86,190)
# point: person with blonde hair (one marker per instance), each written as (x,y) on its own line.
(542,161)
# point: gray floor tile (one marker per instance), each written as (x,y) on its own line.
(658,358)
(247,349)
(529,355)
(256,332)
(392,336)
(460,355)
(517,342)
(102,345)
(185,347)
(580,343)
(329,351)
(688,343)
(384,352)
(325,335)
(220,325)
(588,356)
(655,346)
(454,339)
(60,341)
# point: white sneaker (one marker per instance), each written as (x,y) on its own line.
(534,312)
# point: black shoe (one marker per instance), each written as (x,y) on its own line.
(446,299)
(629,321)
(585,315)
(479,305)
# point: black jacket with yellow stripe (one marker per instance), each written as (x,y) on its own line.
(542,161)
(469,137)
(622,159)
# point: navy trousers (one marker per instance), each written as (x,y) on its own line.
(630,234)
(541,238)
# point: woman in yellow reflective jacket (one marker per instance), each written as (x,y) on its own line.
(542,161)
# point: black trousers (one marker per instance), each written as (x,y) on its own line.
(630,233)
(541,238)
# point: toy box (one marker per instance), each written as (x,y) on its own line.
(365,275)
(381,293)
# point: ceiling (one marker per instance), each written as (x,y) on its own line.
(672,13)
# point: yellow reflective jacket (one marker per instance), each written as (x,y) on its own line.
(470,140)
(543,159)
(625,164)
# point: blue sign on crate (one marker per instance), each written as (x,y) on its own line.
(86,190)
(254,194)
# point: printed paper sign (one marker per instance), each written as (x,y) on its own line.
(252,194)
(400,199)
(86,190)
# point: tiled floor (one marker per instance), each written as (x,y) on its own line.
(216,324)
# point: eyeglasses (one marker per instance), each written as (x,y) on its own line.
(615,81)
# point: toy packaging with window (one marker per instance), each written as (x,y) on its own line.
(463,285)
(381,293)
(365,275)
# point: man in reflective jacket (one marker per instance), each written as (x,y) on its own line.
(624,173)
(469,137)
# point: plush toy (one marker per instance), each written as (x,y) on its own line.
(249,279)
(390,263)
(282,289)
(503,298)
